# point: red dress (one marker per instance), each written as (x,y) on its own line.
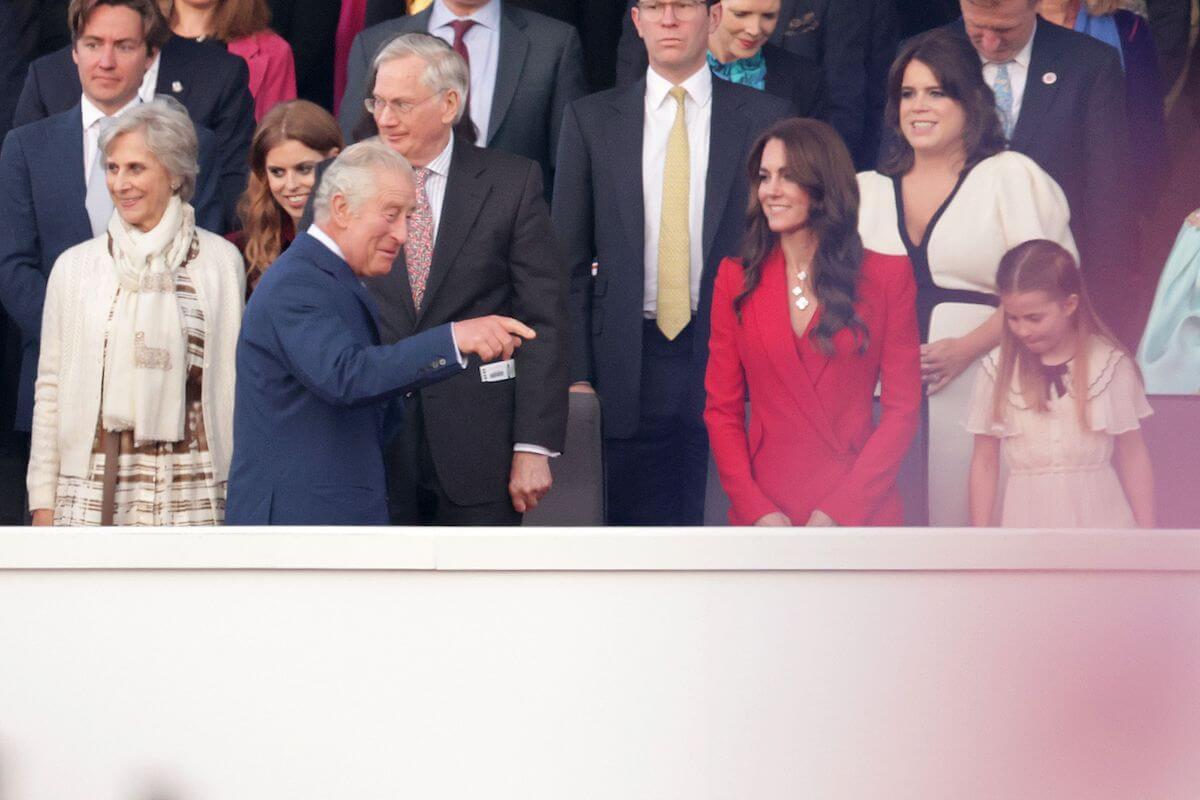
(812,441)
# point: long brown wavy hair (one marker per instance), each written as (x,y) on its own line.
(819,162)
(1041,265)
(233,19)
(263,221)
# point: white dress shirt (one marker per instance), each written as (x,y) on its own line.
(150,81)
(1018,75)
(656,128)
(91,130)
(483,44)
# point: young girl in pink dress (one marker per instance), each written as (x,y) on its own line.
(1058,399)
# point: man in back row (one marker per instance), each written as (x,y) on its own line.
(212,84)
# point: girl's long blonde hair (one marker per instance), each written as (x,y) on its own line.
(1044,266)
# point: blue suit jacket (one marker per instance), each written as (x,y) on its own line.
(42,194)
(312,397)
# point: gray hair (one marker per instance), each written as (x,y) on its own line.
(445,69)
(170,136)
(354,174)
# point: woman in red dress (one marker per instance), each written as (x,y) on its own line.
(806,324)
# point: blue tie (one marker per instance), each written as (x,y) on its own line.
(1004,99)
(99,202)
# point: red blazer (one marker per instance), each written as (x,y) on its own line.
(812,442)
(272,69)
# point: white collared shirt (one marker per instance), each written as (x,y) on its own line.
(483,44)
(435,182)
(659,116)
(91,129)
(324,238)
(1018,75)
(150,81)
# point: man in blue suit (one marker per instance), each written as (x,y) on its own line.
(52,189)
(315,386)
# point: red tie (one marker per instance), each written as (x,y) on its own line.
(465,126)
(461,26)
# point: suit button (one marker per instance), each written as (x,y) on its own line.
(441,362)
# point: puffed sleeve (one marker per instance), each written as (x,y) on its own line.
(980,417)
(1116,396)
(725,406)
(1031,204)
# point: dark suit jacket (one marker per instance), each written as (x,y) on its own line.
(12,65)
(42,194)
(797,79)
(849,39)
(312,395)
(813,441)
(310,27)
(540,71)
(212,85)
(1073,124)
(495,254)
(598,215)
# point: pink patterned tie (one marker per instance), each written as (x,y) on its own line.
(418,250)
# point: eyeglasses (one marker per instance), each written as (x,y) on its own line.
(654,10)
(401,108)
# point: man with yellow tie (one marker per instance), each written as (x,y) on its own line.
(649,196)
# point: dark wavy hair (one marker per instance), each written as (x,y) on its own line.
(955,64)
(818,161)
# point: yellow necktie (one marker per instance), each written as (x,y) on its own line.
(417,6)
(674,245)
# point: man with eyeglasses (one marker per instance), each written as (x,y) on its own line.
(649,196)
(853,41)
(476,449)
(524,69)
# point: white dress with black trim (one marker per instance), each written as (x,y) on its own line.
(1060,475)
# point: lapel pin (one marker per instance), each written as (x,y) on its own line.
(176,87)
(1050,78)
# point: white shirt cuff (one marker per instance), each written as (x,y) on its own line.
(522,447)
(462,360)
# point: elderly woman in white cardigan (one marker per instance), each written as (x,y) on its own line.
(133,408)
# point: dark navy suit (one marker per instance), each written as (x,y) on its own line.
(212,84)
(42,194)
(313,389)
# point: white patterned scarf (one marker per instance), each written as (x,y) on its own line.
(145,374)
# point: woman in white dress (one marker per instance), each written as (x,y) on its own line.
(951,197)
(133,406)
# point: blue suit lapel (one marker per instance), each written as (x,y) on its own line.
(69,163)
(1039,95)
(326,260)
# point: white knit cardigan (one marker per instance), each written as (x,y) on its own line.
(79,294)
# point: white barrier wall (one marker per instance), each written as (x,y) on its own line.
(632,664)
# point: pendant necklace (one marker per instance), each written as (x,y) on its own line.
(801,301)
